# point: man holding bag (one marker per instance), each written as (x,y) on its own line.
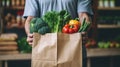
(37,8)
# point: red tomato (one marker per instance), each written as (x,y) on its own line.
(70,28)
(76,28)
(65,28)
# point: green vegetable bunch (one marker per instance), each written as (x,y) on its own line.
(52,21)
(39,25)
(85,25)
(56,20)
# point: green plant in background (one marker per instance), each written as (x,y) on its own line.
(23,46)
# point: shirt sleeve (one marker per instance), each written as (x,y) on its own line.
(84,6)
(31,8)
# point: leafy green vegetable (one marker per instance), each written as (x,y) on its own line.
(64,18)
(53,20)
(56,20)
(40,26)
(44,30)
(23,46)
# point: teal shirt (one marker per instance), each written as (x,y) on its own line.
(72,6)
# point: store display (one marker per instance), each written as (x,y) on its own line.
(8,37)
(14,20)
(12,3)
(108,19)
(108,44)
(8,43)
(91,43)
(107,3)
(112,3)
(100,3)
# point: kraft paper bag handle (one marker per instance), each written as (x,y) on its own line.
(36,38)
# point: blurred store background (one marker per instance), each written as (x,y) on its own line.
(103,47)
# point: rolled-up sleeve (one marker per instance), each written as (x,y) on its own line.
(84,6)
(31,8)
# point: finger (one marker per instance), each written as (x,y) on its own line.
(30,35)
(30,40)
(31,43)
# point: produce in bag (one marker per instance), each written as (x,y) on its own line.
(56,48)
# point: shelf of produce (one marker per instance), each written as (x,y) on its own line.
(108,26)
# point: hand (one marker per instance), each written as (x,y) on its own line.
(85,34)
(30,39)
(84,15)
(87,17)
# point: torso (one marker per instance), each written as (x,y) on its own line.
(58,5)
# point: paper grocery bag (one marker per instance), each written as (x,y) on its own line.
(57,50)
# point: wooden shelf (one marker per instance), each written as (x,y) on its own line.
(15,7)
(108,8)
(15,57)
(101,52)
(108,26)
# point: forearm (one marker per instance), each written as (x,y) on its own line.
(27,24)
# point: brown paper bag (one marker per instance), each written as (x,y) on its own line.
(57,50)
